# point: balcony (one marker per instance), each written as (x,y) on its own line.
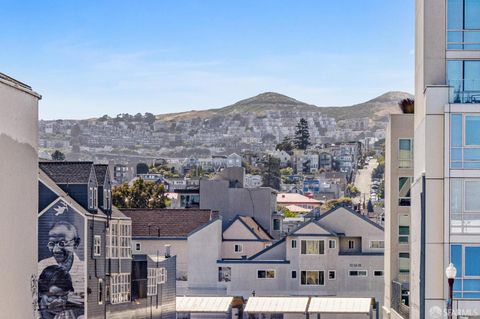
(464,91)
(400,299)
(463,39)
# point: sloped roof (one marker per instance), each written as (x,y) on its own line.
(67,172)
(169,222)
(297,209)
(255,228)
(348,209)
(295,198)
(101,170)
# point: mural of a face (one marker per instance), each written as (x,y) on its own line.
(62,241)
(54,286)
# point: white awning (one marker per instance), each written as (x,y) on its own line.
(277,305)
(204,304)
(339,305)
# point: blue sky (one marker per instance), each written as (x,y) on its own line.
(89,58)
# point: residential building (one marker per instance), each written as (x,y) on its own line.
(234,160)
(19,197)
(253,181)
(123,173)
(285,199)
(444,213)
(337,254)
(226,194)
(87,245)
(398,178)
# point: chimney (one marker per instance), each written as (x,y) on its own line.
(167,251)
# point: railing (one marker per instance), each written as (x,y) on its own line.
(464,91)
(400,299)
(463,40)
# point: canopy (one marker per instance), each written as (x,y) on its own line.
(277,305)
(204,304)
(339,305)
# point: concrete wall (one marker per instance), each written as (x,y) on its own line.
(19,197)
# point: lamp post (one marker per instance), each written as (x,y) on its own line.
(451,272)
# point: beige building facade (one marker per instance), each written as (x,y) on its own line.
(19,197)
(445,192)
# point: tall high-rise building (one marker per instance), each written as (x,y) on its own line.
(445,195)
(19,198)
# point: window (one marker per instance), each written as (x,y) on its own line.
(378,273)
(265,274)
(463,77)
(97,244)
(90,198)
(138,246)
(463,23)
(294,274)
(403,229)
(294,243)
(466,259)
(95,197)
(238,248)
(276,224)
(119,240)
(377,244)
(224,274)
(405,153)
(100,291)
(107,196)
(125,241)
(404,184)
(312,247)
(161,275)
(464,206)
(332,243)
(152,282)
(351,244)
(312,277)
(404,262)
(357,273)
(332,274)
(119,288)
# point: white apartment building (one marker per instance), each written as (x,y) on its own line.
(19,197)
(445,210)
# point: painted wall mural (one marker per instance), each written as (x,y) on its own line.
(61,263)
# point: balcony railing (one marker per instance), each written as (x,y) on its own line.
(464,91)
(400,299)
(463,40)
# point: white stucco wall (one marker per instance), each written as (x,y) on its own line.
(19,198)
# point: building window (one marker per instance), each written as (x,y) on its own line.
(119,288)
(138,246)
(378,273)
(465,139)
(332,243)
(152,282)
(97,244)
(100,291)
(312,277)
(405,153)
(403,229)
(351,244)
(276,224)
(90,197)
(404,184)
(377,244)
(404,262)
(463,24)
(332,274)
(119,239)
(294,243)
(238,248)
(224,274)
(95,197)
(294,274)
(125,241)
(312,247)
(466,259)
(464,206)
(266,274)
(161,275)
(357,273)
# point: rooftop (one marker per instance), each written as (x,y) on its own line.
(67,172)
(295,198)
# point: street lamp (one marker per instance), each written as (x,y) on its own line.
(451,272)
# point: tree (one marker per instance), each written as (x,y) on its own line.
(141,194)
(286,171)
(58,156)
(142,168)
(149,118)
(407,106)
(286,145)
(302,135)
(370,206)
(342,201)
(271,173)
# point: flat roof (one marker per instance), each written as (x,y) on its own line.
(203,304)
(277,305)
(340,305)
